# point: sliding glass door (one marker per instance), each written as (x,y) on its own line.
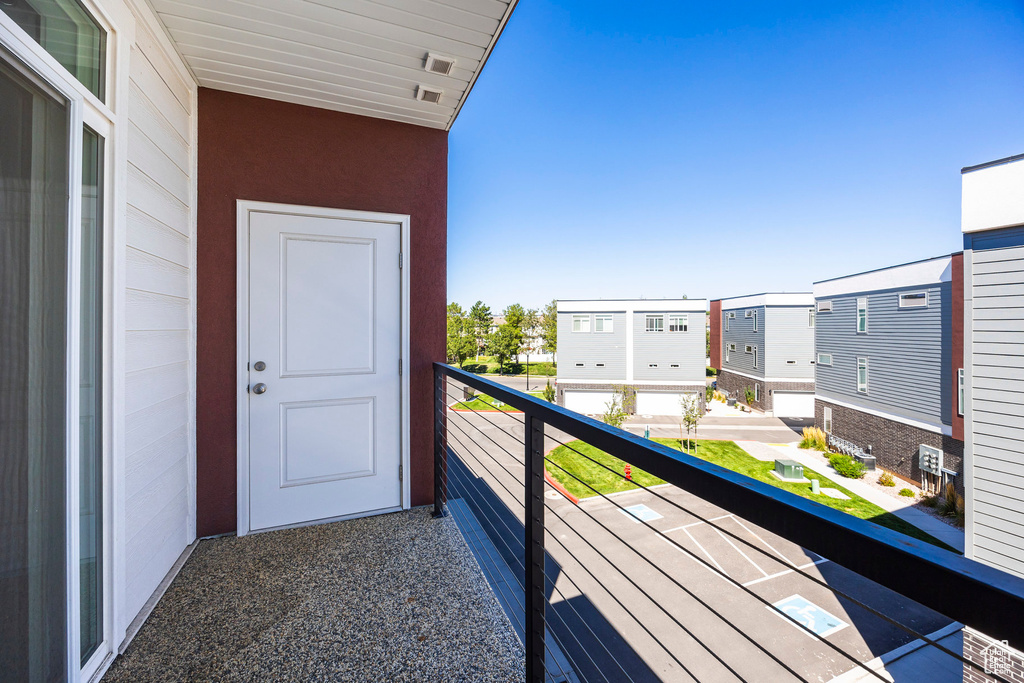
(34,233)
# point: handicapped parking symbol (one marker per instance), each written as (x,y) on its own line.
(806,613)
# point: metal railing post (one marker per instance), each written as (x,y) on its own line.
(533,438)
(440,452)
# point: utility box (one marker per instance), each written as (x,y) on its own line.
(789,469)
(930,459)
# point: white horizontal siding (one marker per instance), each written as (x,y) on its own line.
(997,406)
(158,314)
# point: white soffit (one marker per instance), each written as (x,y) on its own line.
(770,299)
(631,305)
(919,274)
(364,57)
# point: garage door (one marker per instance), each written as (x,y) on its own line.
(588,402)
(659,402)
(793,404)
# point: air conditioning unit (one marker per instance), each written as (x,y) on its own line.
(930,459)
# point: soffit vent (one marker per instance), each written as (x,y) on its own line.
(436,64)
(427,94)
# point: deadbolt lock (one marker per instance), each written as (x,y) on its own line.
(260,366)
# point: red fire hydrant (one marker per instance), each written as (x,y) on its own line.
(629,472)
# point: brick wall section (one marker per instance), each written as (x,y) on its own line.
(1009,664)
(894,444)
(715,318)
(734,385)
(633,388)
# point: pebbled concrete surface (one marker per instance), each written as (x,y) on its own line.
(396,597)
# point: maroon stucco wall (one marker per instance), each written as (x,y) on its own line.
(716,334)
(957,329)
(263,150)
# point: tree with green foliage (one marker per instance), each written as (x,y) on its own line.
(549,327)
(549,393)
(480,322)
(692,413)
(461,339)
(515,315)
(505,343)
(615,413)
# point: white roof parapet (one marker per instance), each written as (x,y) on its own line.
(993,195)
(630,305)
(769,299)
(920,273)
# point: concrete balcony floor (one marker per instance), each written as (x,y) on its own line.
(396,597)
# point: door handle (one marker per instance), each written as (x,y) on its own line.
(260,388)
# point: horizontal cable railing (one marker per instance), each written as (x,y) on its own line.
(607,589)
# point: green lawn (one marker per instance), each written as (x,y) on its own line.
(724,453)
(485,402)
(489,366)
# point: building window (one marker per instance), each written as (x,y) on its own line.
(748,348)
(790,362)
(674,365)
(603,323)
(810,317)
(678,323)
(753,314)
(824,359)
(914,300)
(827,423)
(579,365)
(727,349)
(862,315)
(729,316)
(652,365)
(757,392)
(862,375)
(598,365)
(755,356)
(69,33)
(960,391)
(655,323)
(748,314)
(825,306)
(581,323)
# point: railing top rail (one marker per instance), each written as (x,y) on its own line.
(975,594)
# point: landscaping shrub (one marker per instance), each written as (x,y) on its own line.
(886,479)
(748,393)
(711,372)
(846,466)
(814,438)
(931,501)
(549,393)
(906,492)
(709,394)
(952,504)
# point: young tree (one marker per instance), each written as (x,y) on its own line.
(692,413)
(461,340)
(549,327)
(505,343)
(480,321)
(615,414)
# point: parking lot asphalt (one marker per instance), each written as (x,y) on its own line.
(693,602)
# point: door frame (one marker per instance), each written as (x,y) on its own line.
(244,208)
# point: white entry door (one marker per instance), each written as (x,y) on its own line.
(325,341)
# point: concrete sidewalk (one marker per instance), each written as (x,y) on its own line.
(946,533)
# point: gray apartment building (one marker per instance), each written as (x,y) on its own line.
(653,347)
(993,378)
(765,343)
(888,363)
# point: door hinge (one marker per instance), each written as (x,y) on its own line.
(399,260)
(399,367)
(399,473)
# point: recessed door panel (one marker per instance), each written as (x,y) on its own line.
(326,440)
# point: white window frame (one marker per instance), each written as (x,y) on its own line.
(85,109)
(656,318)
(729,316)
(755,320)
(921,296)
(749,348)
(824,306)
(822,361)
(862,307)
(757,391)
(810,317)
(579,322)
(862,387)
(827,420)
(748,314)
(755,357)
(960,395)
(602,321)
(679,320)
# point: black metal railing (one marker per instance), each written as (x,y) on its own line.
(593,599)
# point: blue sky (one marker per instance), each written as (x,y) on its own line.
(655,149)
